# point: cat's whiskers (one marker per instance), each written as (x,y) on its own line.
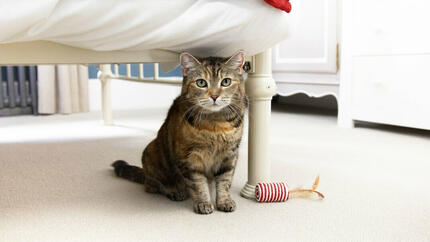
(230,111)
(189,111)
(187,100)
(199,117)
(236,107)
(235,111)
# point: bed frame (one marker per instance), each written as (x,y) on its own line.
(260,87)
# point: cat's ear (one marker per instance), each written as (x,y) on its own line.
(236,61)
(188,62)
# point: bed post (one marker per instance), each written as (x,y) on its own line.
(260,87)
(105,76)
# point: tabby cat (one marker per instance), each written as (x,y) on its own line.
(199,140)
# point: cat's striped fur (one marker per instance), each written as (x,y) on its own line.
(200,137)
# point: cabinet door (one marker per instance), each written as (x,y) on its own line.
(311,46)
(391,27)
(392,90)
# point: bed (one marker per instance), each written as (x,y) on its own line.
(106,32)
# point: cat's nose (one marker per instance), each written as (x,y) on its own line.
(214,97)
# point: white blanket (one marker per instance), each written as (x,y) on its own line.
(205,27)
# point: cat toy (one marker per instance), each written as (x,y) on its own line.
(279,192)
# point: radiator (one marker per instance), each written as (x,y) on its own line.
(18,90)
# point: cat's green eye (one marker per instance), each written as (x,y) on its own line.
(201,83)
(226,82)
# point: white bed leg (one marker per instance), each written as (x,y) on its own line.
(260,87)
(105,76)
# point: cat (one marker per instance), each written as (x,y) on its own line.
(199,140)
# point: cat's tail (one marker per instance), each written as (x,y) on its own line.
(129,172)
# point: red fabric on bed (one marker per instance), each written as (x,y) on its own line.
(284,5)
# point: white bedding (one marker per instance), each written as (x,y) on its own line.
(202,27)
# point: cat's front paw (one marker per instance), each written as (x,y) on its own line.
(227,205)
(203,207)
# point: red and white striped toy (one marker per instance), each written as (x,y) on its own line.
(279,192)
(272,192)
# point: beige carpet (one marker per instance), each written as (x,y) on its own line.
(56,183)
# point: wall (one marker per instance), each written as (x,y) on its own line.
(131,95)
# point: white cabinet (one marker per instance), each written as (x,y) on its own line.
(385,68)
(307,61)
(390,27)
(382,51)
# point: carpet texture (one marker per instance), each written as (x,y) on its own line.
(56,183)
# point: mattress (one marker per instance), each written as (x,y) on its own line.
(204,27)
